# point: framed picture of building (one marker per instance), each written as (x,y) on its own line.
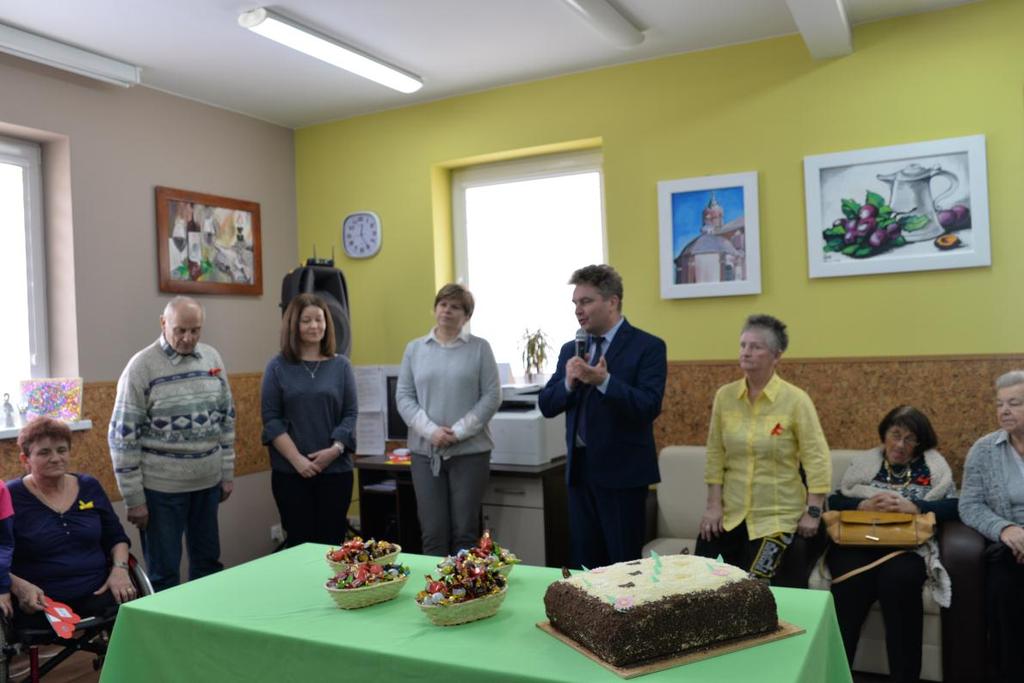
(918,206)
(709,236)
(207,244)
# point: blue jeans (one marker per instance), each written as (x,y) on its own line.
(193,514)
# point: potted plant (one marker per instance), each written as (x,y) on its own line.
(535,352)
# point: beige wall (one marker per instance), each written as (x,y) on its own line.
(123,143)
(110,147)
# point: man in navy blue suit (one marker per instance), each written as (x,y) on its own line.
(610,384)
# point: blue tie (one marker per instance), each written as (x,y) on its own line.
(598,342)
(586,391)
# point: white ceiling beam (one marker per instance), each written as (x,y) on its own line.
(824,26)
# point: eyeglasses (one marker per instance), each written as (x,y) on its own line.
(906,438)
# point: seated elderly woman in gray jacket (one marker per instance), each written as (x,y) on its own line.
(992,501)
(448,391)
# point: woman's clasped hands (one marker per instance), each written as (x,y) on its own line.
(888,502)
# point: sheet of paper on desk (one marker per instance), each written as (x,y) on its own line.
(370,433)
(370,388)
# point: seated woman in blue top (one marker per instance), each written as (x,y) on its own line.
(904,474)
(68,543)
(308,402)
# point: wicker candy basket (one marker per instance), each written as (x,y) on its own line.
(465,612)
(364,596)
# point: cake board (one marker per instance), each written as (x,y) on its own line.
(785,630)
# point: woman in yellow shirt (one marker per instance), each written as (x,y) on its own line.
(764,431)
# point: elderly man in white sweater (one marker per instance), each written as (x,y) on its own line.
(171,440)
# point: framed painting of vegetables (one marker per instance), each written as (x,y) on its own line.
(919,206)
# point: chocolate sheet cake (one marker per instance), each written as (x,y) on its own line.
(657,607)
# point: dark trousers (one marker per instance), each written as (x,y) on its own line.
(606,525)
(449,504)
(193,514)
(313,510)
(102,605)
(737,549)
(896,584)
(1005,598)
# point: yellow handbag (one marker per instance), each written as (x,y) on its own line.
(869,529)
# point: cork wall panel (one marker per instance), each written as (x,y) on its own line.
(89,451)
(852,396)
(250,454)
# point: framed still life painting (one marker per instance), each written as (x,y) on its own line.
(208,244)
(919,206)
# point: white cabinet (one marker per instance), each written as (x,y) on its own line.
(513,509)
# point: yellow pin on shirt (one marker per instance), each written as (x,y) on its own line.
(82,505)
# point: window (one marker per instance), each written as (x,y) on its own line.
(23,345)
(521,229)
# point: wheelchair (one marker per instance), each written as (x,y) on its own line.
(92,634)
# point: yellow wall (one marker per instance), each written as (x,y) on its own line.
(762,107)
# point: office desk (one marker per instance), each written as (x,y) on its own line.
(271,620)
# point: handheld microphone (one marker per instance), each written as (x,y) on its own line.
(581,342)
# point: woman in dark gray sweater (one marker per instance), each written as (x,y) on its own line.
(448,391)
(308,402)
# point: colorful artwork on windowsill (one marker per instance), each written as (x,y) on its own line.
(56,397)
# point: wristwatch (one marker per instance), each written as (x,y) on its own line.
(814,511)
(340,446)
(121,565)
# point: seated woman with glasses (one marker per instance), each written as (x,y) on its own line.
(904,474)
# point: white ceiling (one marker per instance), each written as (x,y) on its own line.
(195,48)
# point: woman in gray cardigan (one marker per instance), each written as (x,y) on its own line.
(992,501)
(448,391)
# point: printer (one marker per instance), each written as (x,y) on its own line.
(522,436)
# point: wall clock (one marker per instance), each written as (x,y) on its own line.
(361,234)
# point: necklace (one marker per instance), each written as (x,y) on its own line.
(899,480)
(59,507)
(311,370)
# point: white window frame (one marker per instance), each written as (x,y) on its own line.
(530,168)
(28,155)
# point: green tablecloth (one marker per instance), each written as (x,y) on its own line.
(271,619)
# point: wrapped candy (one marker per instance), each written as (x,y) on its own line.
(366,574)
(492,553)
(462,577)
(357,550)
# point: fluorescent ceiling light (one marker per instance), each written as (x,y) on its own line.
(298,37)
(62,56)
(607,21)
